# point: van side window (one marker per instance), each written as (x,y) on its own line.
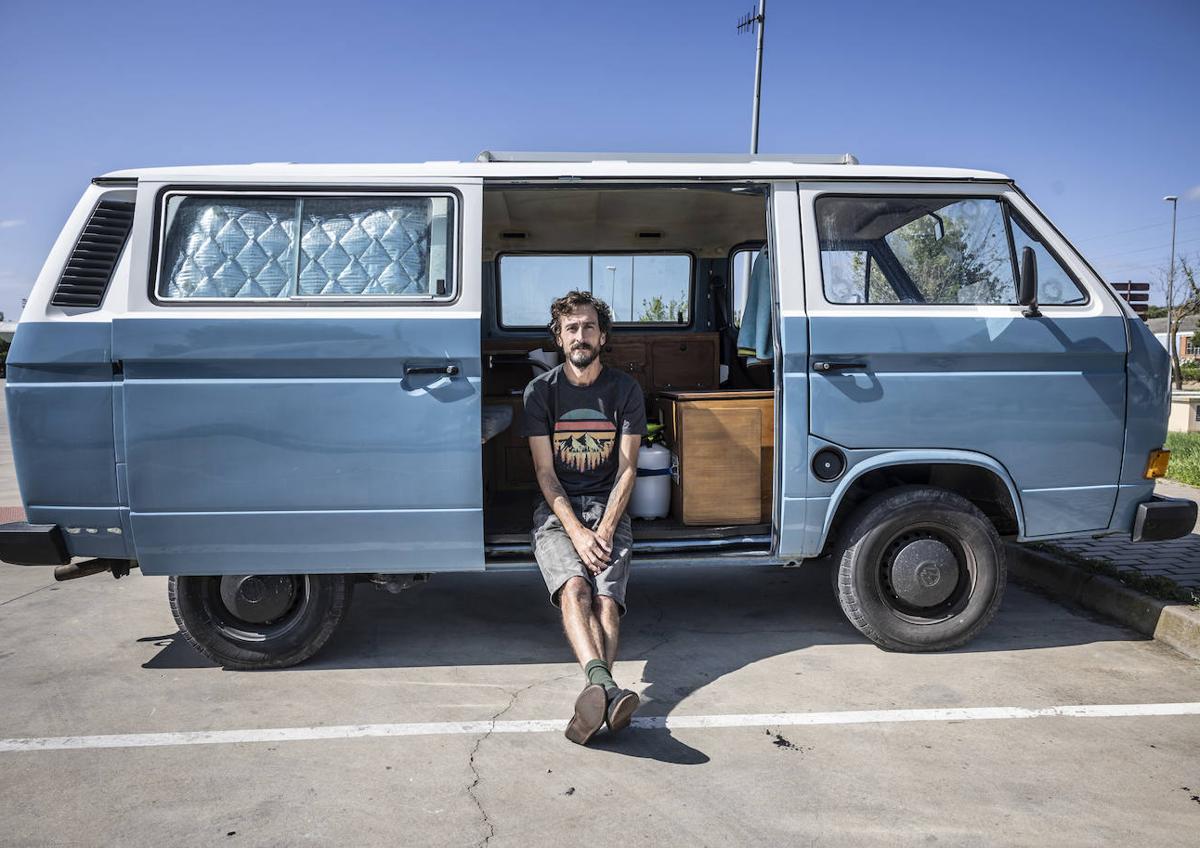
(1055,283)
(280,248)
(919,249)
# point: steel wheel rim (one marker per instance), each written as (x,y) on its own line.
(964,588)
(228,624)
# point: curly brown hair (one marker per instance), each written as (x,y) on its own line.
(571,301)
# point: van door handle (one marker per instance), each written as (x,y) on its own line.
(442,370)
(839,366)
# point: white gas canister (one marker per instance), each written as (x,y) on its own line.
(651,496)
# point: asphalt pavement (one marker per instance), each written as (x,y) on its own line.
(98,657)
(433,718)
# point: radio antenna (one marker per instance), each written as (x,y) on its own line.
(752,22)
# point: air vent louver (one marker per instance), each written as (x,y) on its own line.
(90,267)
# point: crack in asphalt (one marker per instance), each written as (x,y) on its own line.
(487,821)
(27,594)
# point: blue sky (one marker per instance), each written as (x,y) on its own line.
(1091,106)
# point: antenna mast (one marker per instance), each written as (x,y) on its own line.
(755,23)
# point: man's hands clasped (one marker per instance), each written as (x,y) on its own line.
(593,546)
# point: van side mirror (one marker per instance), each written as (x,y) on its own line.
(939,226)
(1027,295)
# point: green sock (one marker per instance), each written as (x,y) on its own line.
(597,672)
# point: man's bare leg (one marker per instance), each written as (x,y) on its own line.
(591,707)
(583,632)
(607,617)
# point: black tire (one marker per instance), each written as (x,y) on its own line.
(318,604)
(881,536)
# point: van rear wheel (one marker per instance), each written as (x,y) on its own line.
(252,621)
(919,569)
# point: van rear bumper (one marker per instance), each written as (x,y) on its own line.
(1162,518)
(22,543)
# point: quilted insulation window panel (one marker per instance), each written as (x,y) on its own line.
(279,248)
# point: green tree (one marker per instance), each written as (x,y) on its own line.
(659,311)
(879,289)
(1186,282)
(943,266)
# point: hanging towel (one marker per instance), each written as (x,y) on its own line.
(754,337)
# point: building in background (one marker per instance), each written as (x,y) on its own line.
(1185,338)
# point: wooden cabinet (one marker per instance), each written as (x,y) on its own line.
(662,361)
(628,356)
(666,361)
(685,362)
(723,452)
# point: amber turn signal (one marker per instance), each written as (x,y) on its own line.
(1156,465)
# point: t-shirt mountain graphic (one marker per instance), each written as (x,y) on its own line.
(584,439)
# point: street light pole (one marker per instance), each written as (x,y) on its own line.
(1174,201)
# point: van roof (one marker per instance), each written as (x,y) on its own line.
(517,165)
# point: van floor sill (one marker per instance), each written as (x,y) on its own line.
(732,545)
(664,529)
(757,556)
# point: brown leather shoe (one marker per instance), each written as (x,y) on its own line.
(589,714)
(621,707)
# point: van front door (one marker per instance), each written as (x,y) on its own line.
(916,342)
(301,383)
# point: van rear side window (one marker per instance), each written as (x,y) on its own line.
(641,288)
(284,247)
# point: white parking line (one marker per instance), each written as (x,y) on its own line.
(674,722)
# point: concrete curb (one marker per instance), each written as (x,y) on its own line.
(1173,624)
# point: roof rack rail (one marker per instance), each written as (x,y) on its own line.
(727,158)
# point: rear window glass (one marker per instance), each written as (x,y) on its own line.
(640,288)
(273,248)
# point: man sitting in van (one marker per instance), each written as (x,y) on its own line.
(585,423)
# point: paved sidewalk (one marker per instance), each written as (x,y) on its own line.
(1177,560)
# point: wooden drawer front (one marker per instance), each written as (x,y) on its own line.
(685,363)
(719,473)
(676,412)
(630,357)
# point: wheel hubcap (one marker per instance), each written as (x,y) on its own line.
(924,572)
(258,599)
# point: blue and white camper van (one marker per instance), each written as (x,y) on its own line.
(271,382)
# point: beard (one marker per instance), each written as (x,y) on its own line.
(582,356)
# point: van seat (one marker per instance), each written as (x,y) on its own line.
(497,417)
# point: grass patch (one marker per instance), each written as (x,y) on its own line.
(1185,457)
(1156,586)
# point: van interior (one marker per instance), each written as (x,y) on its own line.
(676,265)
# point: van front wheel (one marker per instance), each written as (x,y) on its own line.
(919,569)
(256,621)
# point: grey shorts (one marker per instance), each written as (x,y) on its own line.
(559,561)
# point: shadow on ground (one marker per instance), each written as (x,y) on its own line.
(688,627)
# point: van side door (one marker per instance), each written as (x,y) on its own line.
(300,381)
(917,341)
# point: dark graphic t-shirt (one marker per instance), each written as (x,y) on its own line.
(584,423)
